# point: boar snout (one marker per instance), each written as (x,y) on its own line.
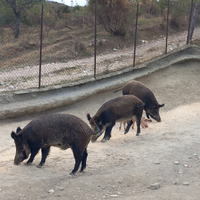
(157,118)
(18,159)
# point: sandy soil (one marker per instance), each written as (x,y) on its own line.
(166,153)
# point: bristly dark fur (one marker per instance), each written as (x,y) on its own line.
(146,95)
(59,130)
(116,110)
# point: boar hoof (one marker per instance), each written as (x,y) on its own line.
(39,166)
(125,132)
(27,163)
(72,174)
(103,140)
(94,138)
(137,134)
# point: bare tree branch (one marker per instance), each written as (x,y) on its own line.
(18,6)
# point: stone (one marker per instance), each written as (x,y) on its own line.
(185,183)
(155,186)
(51,191)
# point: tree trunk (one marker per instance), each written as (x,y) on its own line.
(17,15)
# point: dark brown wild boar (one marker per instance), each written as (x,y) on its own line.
(119,109)
(59,130)
(141,91)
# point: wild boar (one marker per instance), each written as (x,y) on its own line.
(59,130)
(115,110)
(141,91)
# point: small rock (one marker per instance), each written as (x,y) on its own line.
(185,183)
(180,171)
(175,182)
(155,186)
(119,193)
(189,157)
(176,162)
(157,162)
(59,188)
(51,191)
(185,165)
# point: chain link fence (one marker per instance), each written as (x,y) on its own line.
(70,52)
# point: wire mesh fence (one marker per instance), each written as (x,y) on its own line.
(69,45)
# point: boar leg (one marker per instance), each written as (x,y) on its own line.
(138,122)
(45,152)
(129,123)
(107,134)
(78,156)
(85,154)
(148,117)
(34,150)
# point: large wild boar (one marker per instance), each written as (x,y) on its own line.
(115,110)
(141,91)
(59,130)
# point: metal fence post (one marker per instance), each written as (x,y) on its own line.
(167,27)
(135,35)
(40,66)
(189,21)
(95,40)
(193,21)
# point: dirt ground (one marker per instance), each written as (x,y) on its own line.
(166,154)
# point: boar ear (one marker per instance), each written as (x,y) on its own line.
(161,105)
(88,117)
(15,136)
(18,130)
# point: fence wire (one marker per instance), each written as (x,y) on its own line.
(68,47)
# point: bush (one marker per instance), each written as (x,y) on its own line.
(113,15)
(179,11)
